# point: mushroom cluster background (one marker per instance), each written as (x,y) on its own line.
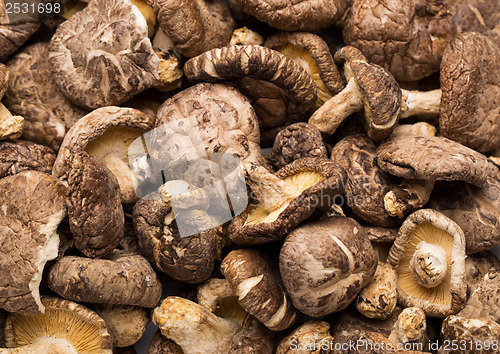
(250,176)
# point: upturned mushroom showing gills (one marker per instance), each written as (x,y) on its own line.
(429,257)
(370,89)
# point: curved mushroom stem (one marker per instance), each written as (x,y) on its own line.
(419,128)
(428,265)
(408,196)
(411,326)
(332,113)
(420,103)
(118,166)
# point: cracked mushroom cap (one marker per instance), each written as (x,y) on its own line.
(405,37)
(312,53)
(33,94)
(485,300)
(470,82)
(429,257)
(120,279)
(95,211)
(65,327)
(324,273)
(106,133)
(32,206)
(303,15)
(312,334)
(102,55)
(253,69)
(281,201)
(21,155)
(195,26)
(255,279)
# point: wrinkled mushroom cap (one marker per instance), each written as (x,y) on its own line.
(448,294)
(24,155)
(32,206)
(484,301)
(313,334)
(476,331)
(102,55)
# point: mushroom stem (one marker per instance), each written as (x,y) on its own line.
(420,103)
(118,166)
(11,127)
(409,196)
(495,160)
(428,265)
(332,113)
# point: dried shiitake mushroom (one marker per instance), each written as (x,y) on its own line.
(477,16)
(405,37)
(411,327)
(323,274)
(244,35)
(21,155)
(32,206)
(477,266)
(484,301)
(163,345)
(33,94)
(312,334)
(253,337)
(429,257)
(102,55)
(370,88)
(65,327)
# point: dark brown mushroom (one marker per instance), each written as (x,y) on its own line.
(477,16)
(23,155)
(477,266)
(162,345)
(253,337)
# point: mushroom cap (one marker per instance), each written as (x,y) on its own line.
(485,300)
(163,345)
(81,329)
(367,183)
(253,337)
(255,279)
(21,155)
(195,26)
(324,273)
(252,69)
(477,266)
(33,94)
(303,15)
(477,16)
(32,206)
(431,227)
(470,82)
(121,279)
(102,55)
(317,181)
(95,210)
(405,37)
(312,334)
(381,92)
(474,331)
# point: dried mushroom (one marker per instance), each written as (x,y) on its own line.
(311,337)
(65,327)
(244,36)
(162,345)
(281,201)
(33,94)
(11,127)
(411,327)
(252,337)
(323,274)
(429,257)
(120,279)
(405,37)
(102,55)
(477,16)
(32,206)
(305,15)
(95,212)
(370,89)
(485,300)
(21,155)
(252,69)
(255,279)
(477,266)
(195,26)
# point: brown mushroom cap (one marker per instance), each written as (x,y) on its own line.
(253,337)
(304,15)
(33,94)
(255,279)
(32,206)
(324,273)
(95,210)
(470,81)
(312,185)
(252,69)
(477,266)
(484,301)
(102,55)
(121,279)
(24,155)
(64,325)
(477,16)
(429,257)
(405,37)
(195,26)
(312,334)
(163,345)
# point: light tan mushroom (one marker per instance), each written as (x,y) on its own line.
(310,338)
(411,327)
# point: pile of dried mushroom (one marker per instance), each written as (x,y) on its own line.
(363,204)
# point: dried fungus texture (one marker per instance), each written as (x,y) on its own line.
(21,155)
(32,206)
(194,26)
(312,334)
(121,279)
(470,82)
(102,55)
(485,300)
(288,15)
(33,94)
(95,211)
(253,338)
(478,333)
(477,16)
(405,37)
